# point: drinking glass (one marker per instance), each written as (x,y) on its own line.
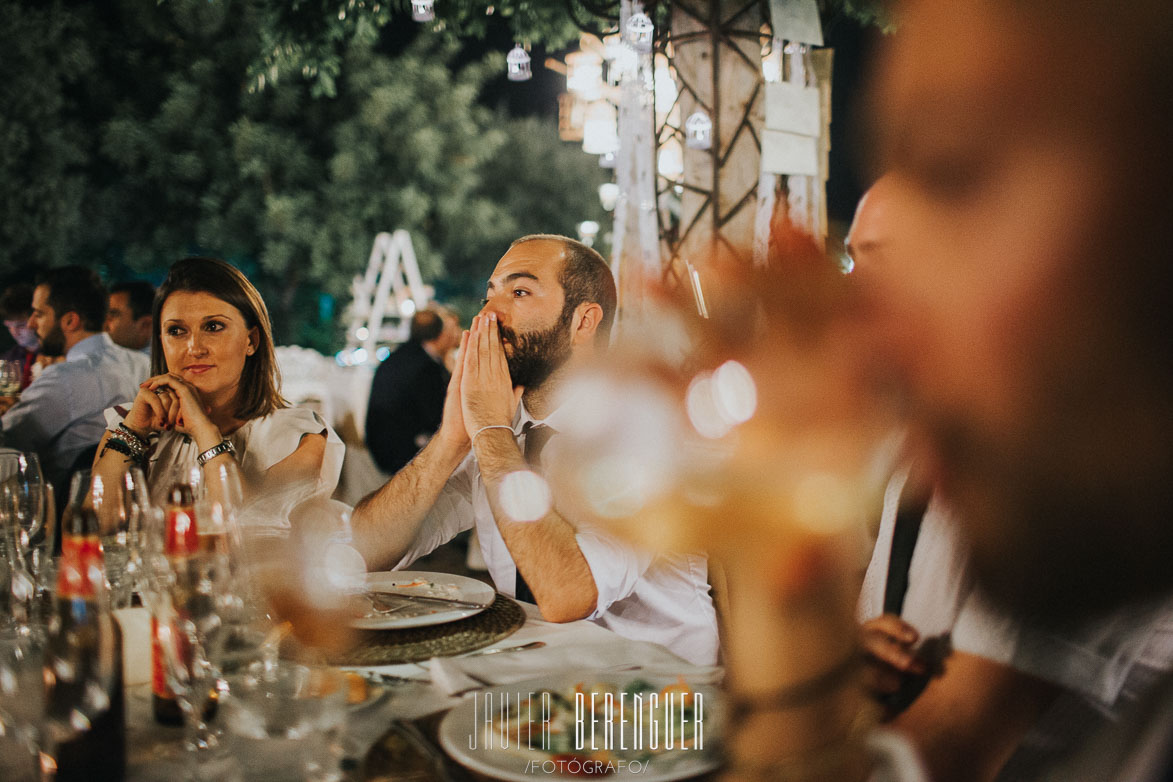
(10,376)
(19,608)
(119,498)
(21,704)
(287,719)
(21,472)
(190,596)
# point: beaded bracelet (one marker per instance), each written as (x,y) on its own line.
(119,444)
(135,436)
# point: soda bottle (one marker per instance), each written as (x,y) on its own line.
(180,538)
(83,661)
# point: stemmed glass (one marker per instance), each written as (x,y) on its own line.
(21,472)
(191,595)
(120,500)
(10,377)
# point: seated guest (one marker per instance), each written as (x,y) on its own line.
(407,394)
(16,305)
(550,305)
(214,397)
(128,318)
(59,415)
(1006,698)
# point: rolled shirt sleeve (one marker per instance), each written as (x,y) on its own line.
(615,567)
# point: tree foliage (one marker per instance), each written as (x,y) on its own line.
(135,136)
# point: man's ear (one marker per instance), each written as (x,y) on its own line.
(70,322)
(587,317)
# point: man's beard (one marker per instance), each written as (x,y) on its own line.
(53,343)
(536,354)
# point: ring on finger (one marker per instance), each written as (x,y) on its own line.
(160,391)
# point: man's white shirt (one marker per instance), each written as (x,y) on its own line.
(648,597)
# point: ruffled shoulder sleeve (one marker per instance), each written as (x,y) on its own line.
(277,435)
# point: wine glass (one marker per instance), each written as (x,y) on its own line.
(10,377)
(22,473)
(118,496)
(191,595)
(21,704)
(17,581)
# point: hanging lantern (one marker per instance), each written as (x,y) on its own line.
(517,64)
(640,32)
(584,74)
(423,10)
(608,160)
(698,131)
(600,132)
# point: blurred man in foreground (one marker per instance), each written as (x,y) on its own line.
(549,307)
(1026,317)
(1011,688)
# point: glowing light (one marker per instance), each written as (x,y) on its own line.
(407,308)
(665,85)
(608,195)
(670,162)
(525,496)
(600,133)
(359,356)
(703,412)
(382,352)
(345,567)
(584,74)
(736,394)
(361,334)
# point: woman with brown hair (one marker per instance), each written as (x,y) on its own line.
(214,396)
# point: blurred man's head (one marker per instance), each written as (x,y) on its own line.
(128,318)
(16,305)
(1027,311)
(553,296)
(69,305)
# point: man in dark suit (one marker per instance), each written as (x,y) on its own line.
(407,395)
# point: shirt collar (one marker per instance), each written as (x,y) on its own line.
(554,420)
(88,347)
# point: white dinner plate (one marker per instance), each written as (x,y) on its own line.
(466,724)
(418,582)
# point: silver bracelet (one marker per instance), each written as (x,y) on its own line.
(486,428)
(224,446)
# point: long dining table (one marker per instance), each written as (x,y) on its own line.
(419,693)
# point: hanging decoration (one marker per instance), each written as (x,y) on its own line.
(423,10)
(640,32)
(517,64)
(698,131)
(584,75)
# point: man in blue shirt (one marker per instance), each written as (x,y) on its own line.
(59,416)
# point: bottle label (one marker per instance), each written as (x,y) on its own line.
(182,535)
(81,569)
(158,671)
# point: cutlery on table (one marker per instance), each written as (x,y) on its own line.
(385,602)
(522,648)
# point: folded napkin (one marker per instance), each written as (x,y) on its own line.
(453,675)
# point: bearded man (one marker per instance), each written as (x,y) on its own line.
(549,308)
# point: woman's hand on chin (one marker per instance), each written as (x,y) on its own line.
(154,409)
(189,412)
